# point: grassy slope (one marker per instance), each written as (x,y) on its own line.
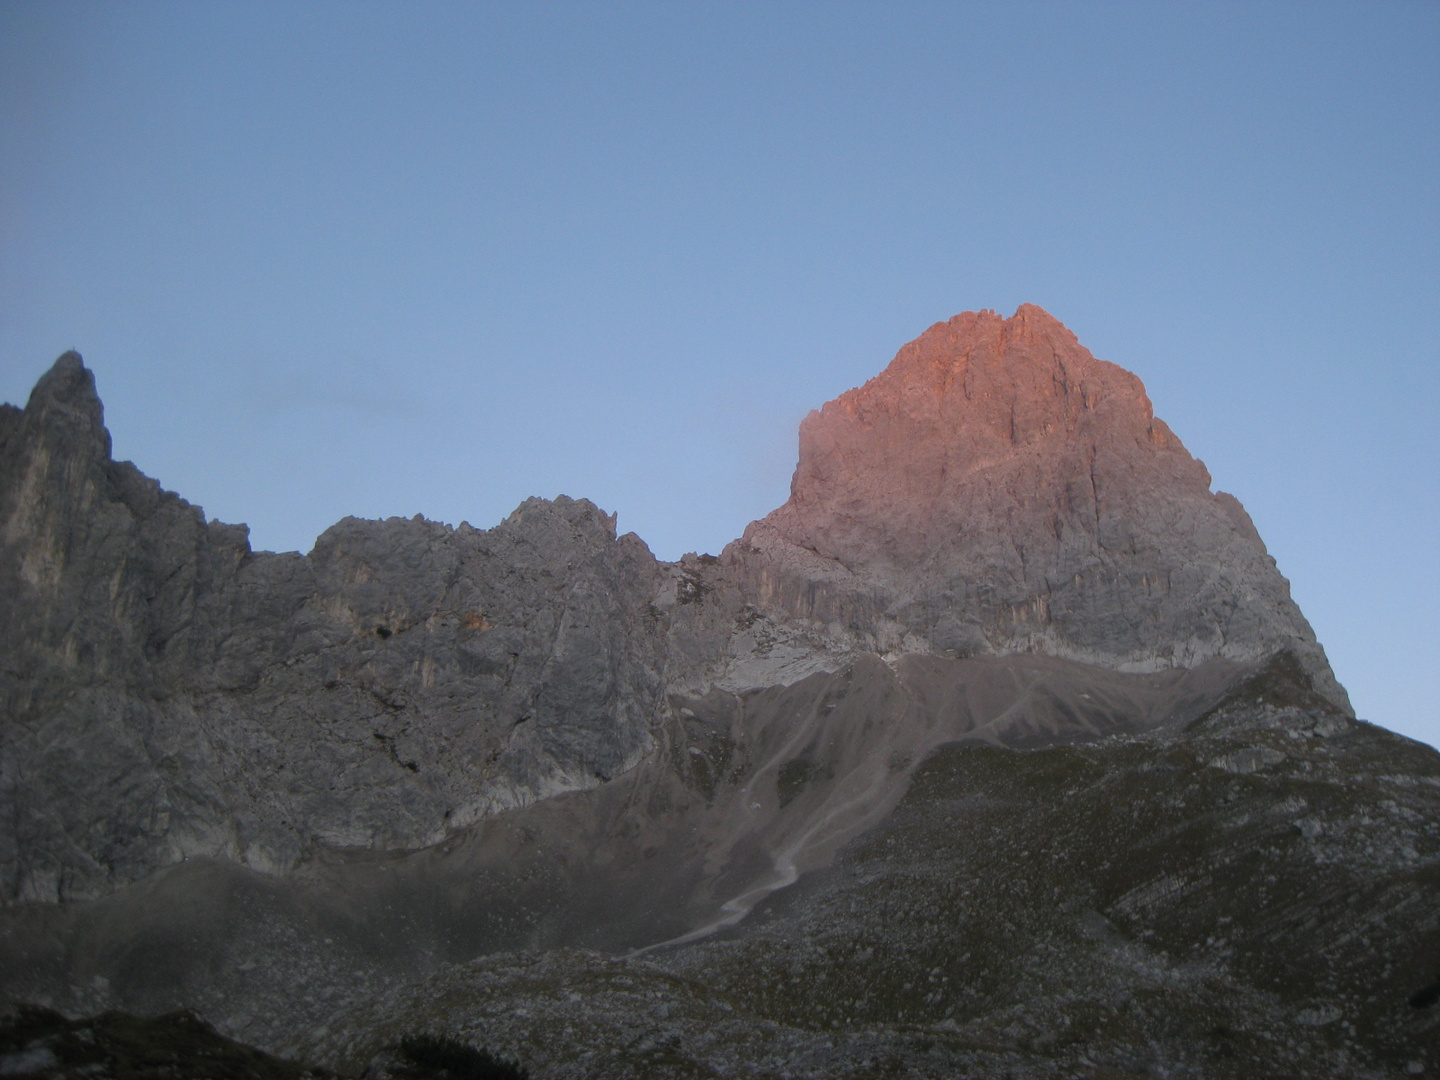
(1257,896)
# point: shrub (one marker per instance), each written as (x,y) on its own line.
(439,1057)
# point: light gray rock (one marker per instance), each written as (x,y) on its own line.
(168,693)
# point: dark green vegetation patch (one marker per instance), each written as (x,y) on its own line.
(41,1044)
(793,778)
(439,1057)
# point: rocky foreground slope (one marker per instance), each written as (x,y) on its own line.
(450,778)
(1252,897)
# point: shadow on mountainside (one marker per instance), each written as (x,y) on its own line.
(41,1044)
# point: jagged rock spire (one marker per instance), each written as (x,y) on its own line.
(65,404)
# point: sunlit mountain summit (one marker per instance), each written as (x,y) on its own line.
(999,748)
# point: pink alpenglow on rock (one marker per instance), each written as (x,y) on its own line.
(998,489)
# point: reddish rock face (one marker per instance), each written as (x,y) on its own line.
(998,488)
(905,466)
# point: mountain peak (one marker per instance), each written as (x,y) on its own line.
(990,333)
(65,405)
(999,478)
(963,397)
(68,381)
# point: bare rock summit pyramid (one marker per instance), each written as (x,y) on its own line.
(999,489)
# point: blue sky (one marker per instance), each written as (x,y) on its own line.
(378,259)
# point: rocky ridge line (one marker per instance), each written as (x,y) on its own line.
(171,693)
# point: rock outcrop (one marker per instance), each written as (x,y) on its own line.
(169,693)
(998,489)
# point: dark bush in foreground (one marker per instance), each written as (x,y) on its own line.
(37,1043)
(438,1057)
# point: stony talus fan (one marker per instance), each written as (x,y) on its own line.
(999,749)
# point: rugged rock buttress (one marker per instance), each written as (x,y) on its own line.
(170,693)
(998,489)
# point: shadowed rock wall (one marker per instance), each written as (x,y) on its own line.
(167,692)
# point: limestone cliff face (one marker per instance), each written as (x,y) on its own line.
(167,692)
(999,489)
